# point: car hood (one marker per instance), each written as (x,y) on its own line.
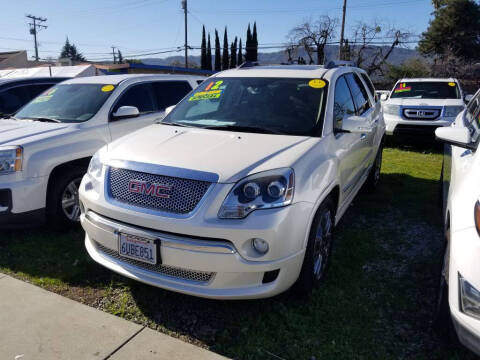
(19,132)
(424,102)
(230,155)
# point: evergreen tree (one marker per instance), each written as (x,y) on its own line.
(233,54)
(254,43)
(248,45)
(203,56)
(240,56)
(218,57)
(70,51)
(454,31)
(120,57)
(225,56)
(209,54)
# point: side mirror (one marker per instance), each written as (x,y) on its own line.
(169,109)
(383,97)
(455,136)
(467,98)
(356,125)
(126,112)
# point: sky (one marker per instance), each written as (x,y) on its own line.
(149,26)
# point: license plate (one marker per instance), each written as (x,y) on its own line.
(137,248)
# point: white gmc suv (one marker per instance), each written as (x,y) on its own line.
(46,146)
(236,192)
(419,106)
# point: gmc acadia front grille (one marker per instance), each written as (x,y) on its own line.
(156,192)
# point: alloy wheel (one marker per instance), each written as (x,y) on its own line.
(322,244)
(70,201)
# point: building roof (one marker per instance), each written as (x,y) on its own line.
(46,71)
(37,79)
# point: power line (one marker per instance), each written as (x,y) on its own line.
(185,10)
(34,28)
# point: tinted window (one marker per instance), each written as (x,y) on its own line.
(359,93)
(13,99)
(139,96)
(200,81)
(169,93)
(68,102)
(472,117)
(283,105)
(370,86)
(37,89)
(343,105)
(426,90)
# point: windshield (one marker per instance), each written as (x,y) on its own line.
(67,102)
(268,105)
(426,90)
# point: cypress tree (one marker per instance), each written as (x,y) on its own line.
(209,54)
(218,57)
(248,45)
(203,56)
(240,56)
(233,54)
(254,43)
(120,57)
(225,57)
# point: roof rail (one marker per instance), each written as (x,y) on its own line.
(248,64)
(337,63)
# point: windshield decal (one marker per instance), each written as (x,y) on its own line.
(108,88)
(317,83)
(206,95)
(402,87)
(42,98)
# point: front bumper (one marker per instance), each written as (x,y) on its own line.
(211,268)
(22,201)
(464,254)
(396,125)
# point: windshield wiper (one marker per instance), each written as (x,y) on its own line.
(172,124)
(253,129)
(45,119)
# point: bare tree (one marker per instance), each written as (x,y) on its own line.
(372,46)
(313,36)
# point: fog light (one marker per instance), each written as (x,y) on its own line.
(260,245)
(469,298)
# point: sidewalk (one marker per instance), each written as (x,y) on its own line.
(37,324)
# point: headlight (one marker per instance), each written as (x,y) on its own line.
(265,190)
(11,158)
(391,109)
(95,167)
(452,111)
(469,298)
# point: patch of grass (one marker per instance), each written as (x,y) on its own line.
(376,302)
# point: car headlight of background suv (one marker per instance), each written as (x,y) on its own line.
(391,109)
(469,298)
(95,172)
(265,190)
(452,111)
(11,158)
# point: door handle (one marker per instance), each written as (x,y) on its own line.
(363,136)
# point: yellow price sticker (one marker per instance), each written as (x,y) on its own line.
(108,88)
(452,84)
(317,83)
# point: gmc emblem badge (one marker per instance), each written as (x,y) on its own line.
(150,189)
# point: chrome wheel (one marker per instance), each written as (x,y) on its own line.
(322,244)
(70,202)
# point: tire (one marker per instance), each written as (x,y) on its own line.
(319,249)
(442,319)
(374,175)
(63,208)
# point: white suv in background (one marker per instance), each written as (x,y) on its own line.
(46,146)
(419,106)
(236,192)
(459,291)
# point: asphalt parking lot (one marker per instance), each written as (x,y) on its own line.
(376,302)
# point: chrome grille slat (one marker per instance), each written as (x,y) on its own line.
(166,270)
(421,113)
(184,196)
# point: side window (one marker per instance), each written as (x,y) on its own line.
(139,96)
(370,86)
(200,81)
(359,93)
(13,99)
(169,93)
(472,117)
(343,103)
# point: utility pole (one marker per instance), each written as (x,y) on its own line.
(113,53)
(34,28)
(184,7)
(342,33)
